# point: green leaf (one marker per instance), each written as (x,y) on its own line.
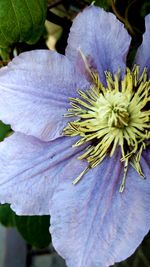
(4,130)
(21,21)
(7,216)
(34,229)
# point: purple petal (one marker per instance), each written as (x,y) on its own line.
(34,91)
(101,38)
(30,170)
(143,53)
(94,225)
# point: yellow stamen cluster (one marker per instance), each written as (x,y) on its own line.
(112,116)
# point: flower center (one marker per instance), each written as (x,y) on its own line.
(114,109)
(113,116)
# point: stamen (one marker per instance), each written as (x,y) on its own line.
(75,181)
(124,176)
(111,117)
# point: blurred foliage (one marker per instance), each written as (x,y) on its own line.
(22,29)
(34,229)
(7,216)
(4,54)
(106,4)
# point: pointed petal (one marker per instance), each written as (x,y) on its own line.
(143,54)
(101,38)
(34,91)
(94,225)
(30,170)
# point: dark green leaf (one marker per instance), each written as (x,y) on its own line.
(7,216)
(145,8)
(34,229)
(21,21)
(4,130)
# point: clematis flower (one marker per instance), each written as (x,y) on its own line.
(80,147)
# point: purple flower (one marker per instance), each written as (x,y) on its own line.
(81,124)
